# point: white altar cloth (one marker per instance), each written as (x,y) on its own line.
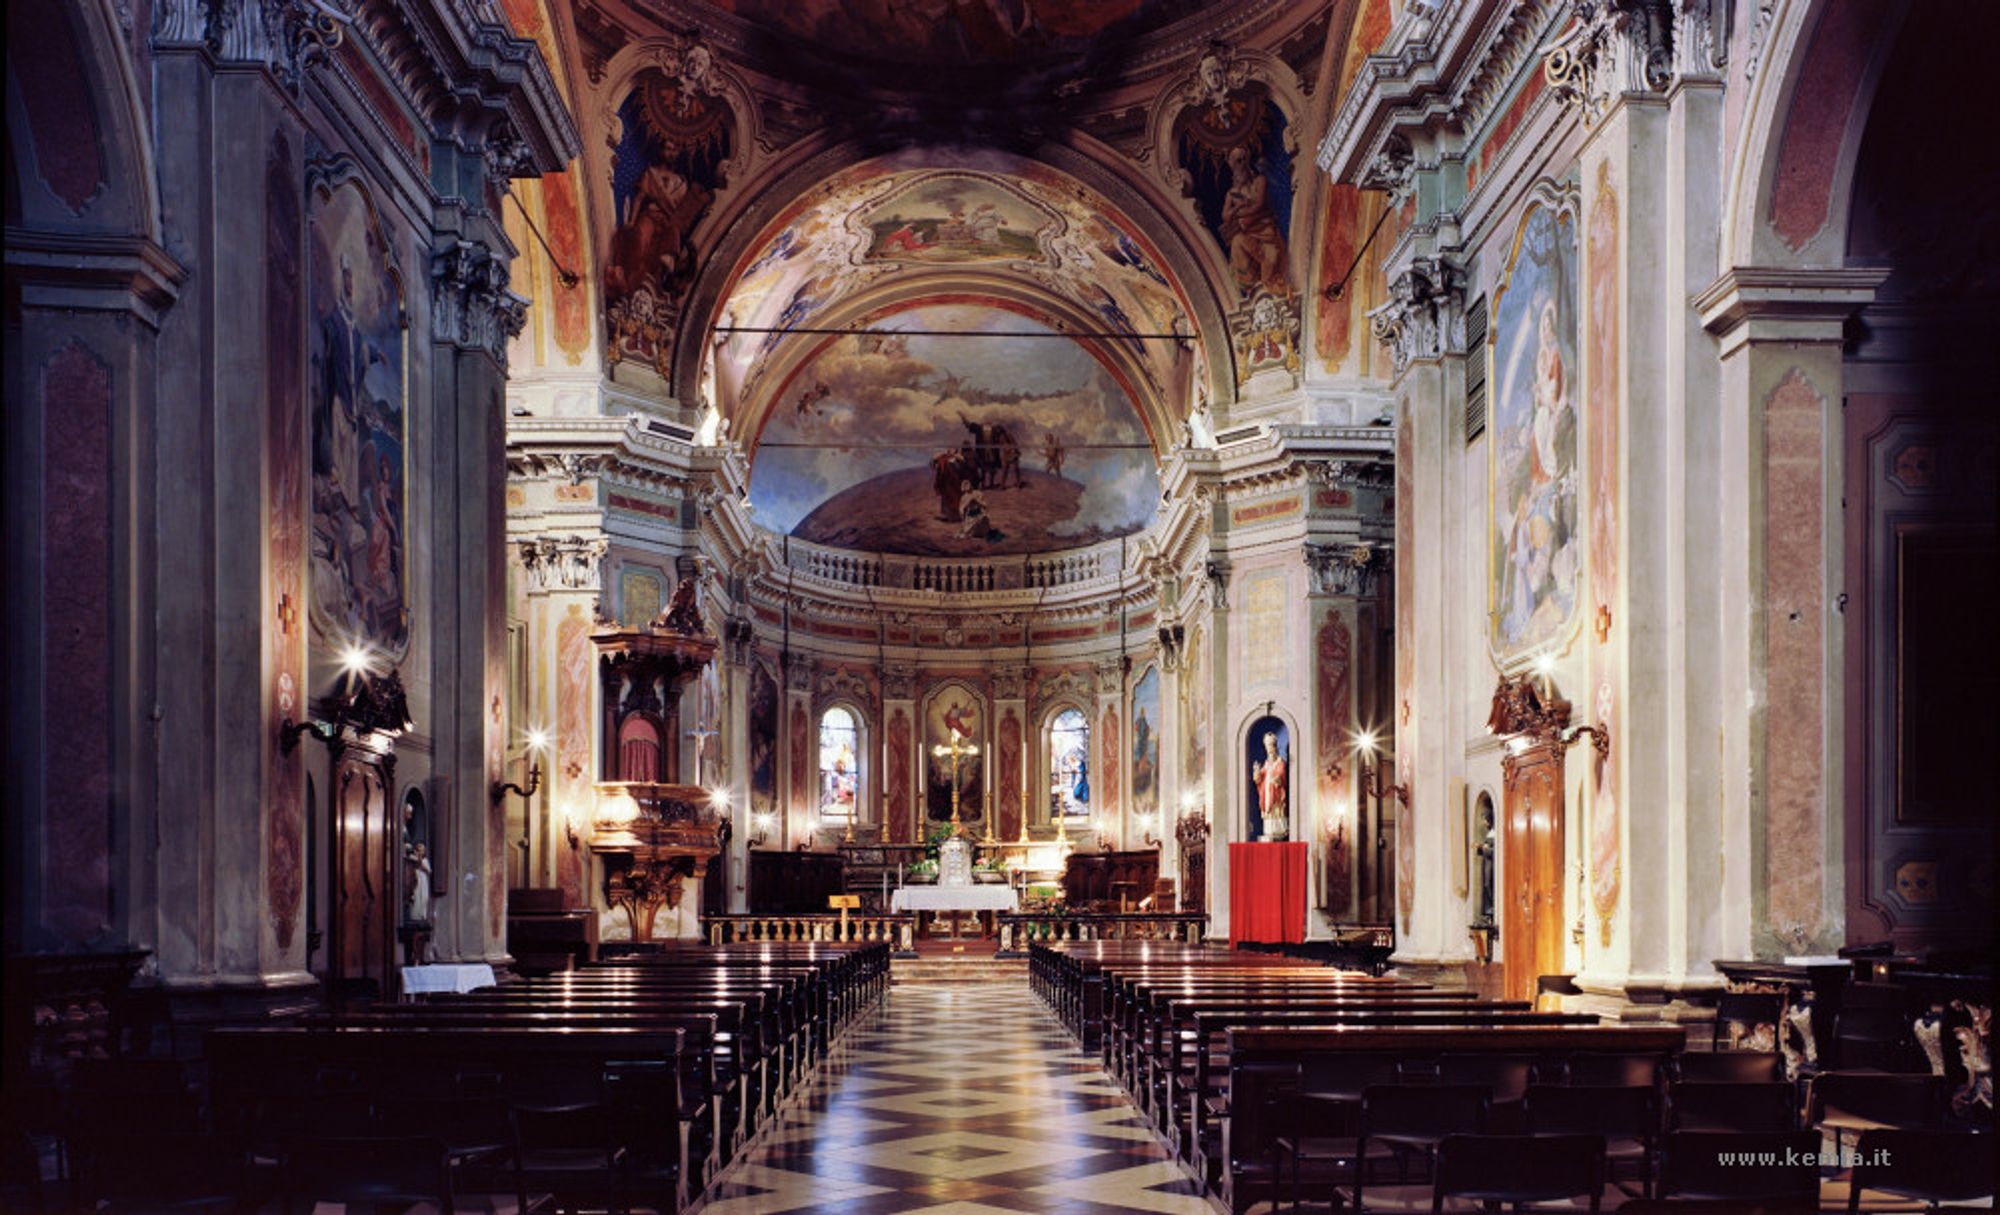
(993,897)
(446,976)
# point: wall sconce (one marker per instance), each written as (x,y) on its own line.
(366,703)
(1149,830)
(289,731)
(760,829)
(1365,745)
(537,739)
(1600,739)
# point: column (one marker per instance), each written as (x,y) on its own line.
(1223,766)
(1780,332)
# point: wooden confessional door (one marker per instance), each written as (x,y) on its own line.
(366,895)
(1531,918)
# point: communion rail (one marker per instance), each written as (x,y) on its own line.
(896,929)
(1019,929)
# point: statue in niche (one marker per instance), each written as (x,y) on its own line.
(1271,775)
(1482,868)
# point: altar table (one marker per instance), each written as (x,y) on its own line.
(447,976)
(994,897)
(983,900)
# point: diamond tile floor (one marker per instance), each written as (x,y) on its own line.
(959,1099)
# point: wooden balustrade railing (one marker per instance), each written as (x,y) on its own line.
(898,930)
(1020,929)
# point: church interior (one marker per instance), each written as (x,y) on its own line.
(980,606)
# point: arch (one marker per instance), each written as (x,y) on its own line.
(816,172)
(1244,808)
(1790,187)
(77,125)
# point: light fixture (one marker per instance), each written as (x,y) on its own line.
(1364,740)
(1148,830)
(617,811)
(760,828)
(537,739)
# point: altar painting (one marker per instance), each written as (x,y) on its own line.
(356,395)
(1146,743)
(1535,548)
(763,740)
(954,716)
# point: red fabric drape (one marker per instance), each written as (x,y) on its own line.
(1267,892)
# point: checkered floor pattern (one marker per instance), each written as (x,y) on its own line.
(966,1099)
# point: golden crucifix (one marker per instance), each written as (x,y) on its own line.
(954,749)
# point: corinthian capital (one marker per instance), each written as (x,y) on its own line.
(471,306)
(1425,315)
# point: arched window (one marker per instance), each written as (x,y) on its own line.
(839,764)
(1069,765)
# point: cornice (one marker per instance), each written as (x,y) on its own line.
(1769,303)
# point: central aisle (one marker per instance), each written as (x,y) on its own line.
(959,1099)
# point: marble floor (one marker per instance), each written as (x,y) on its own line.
(959,1099)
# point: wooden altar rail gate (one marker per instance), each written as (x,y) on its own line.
(1019,930)
(898,930)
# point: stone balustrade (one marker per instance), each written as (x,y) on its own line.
(898,930)
(1020,929)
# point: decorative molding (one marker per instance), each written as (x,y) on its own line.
(1425,315)
(1612,48)
(1063,687)
(564,563)
(1215,572)
(1008,682)
(1393,168)
(899,682)
(471,307)
(286,36)
(843,684)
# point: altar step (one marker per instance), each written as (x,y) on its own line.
(970,967)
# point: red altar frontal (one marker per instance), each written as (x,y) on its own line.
(1267,892)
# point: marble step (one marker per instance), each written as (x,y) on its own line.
(979,968)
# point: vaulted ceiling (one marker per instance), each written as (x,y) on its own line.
(1067,177)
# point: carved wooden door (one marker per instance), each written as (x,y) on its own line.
(1532,857)
(367,859)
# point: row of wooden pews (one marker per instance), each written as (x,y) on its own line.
(1249,1063)
(633,1081)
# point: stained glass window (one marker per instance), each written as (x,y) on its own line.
(1069,765)
(839,764)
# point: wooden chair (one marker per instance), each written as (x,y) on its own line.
(1851,1102)
(1505,1077)
(1519,1169)
(572,1155)
(156,1170)
(1767,1108)
(1932,1167)
(1740,1167)
(1625,1117)
(1732,1066)
(1412,1119)
(1747,1010)
(368,1169)
(1600,1068)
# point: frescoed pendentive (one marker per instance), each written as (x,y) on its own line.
(940,445)
(1535,541)
(672,137)
(356,411)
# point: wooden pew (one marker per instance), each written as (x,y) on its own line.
(1266,1060)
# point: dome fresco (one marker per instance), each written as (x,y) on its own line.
(954,429)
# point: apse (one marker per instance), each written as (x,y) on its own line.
(958,428)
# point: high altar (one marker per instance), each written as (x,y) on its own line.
(955,892)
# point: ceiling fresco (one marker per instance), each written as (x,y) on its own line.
(959,31)
(894,220)
(932,439)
